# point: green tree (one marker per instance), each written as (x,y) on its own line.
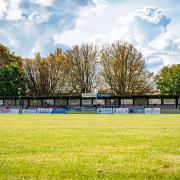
(11,80)
(46,76)
(82,60)
(168,80)
(6,57)
(123,69)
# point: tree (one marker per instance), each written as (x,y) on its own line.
(6,57)
(46,76)
(83,67)
(123,69)
(11,80)
(168,80)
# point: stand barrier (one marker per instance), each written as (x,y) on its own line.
(86,110)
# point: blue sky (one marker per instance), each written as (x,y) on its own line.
(153,26)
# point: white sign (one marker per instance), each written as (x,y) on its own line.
(9,111)
(44,110)
(169,101)
(154,101)
(86,102)
(29,111)
(104,111)
(86,95)
(98,102)
(152,110)
(120,110)
(127,101)
(1,102)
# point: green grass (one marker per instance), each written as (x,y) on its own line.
(90,146)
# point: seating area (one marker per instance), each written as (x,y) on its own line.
(163,102)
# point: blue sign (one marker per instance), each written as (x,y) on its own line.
(101,95)
(59,111)
(73,110)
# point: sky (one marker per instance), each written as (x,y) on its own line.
(152,26)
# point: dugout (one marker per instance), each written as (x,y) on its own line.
(104,101)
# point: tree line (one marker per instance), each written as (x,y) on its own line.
(117,68)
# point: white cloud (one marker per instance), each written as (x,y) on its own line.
(139,27)
(94,8)
(167,44)
(38,16)
(154,62)
(146,28)
(3,8)
(41,42)
(10,10)
(85,25)
(29,26)
(43,2)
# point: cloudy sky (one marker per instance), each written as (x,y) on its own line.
(153,26)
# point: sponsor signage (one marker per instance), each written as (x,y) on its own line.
(44,110)
(152,110)
(87,95)
(73,110)
(136,110)
(169,101)
(9,111)
(1,102)
(29,111)
(104,111)
(120,110)
(88,110)
(102,95)
(59,111)
(86,102)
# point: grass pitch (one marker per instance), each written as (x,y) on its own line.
(90,146)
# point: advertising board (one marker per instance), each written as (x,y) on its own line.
(102,95)
(86,95)
(88,110)
(152,110)
(86,102)
(1,102)
(73,111)
(127,101)
(29,111)
(59,111)
(44,110)
(120,110)
(169,101)
(9,111)
(136,110)
(104,111)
